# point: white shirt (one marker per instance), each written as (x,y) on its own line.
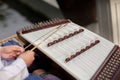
(17,70)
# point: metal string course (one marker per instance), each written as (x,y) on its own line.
(48,36)
(40,24)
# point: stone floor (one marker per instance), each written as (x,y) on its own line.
(10,21)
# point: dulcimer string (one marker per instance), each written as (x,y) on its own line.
(54,31)
(58,28)
(37,39)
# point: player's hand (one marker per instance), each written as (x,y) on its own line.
(11,52)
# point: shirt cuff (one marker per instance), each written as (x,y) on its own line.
(20,63)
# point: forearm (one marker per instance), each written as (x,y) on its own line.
(11,71)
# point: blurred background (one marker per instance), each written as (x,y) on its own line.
(99,16)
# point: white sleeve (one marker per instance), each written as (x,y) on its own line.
(18,67)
